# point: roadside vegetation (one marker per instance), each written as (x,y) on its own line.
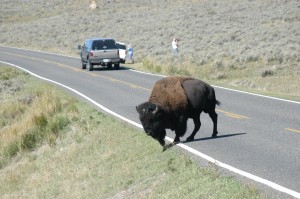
(53,146)
(247,44)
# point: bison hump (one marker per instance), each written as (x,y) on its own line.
(169,93)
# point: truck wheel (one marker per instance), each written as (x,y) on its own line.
(117,66)
(109,65)
(90,66)
(83,65)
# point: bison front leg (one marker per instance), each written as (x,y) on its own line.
(162,142)
(176,140)
(214,117)
(160,137)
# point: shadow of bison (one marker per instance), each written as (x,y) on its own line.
(172,102)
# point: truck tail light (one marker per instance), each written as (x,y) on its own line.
(91,54)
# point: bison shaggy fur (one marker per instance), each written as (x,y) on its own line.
(172,102)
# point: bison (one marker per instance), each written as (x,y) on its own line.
(172,102)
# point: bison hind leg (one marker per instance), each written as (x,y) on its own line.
(197,123)
(214,117)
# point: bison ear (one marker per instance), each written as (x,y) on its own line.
(139,110)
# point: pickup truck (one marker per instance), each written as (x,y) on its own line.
(99,51)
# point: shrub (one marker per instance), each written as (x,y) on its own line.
(267,73)
(40,120)
(29,141)
(58,123)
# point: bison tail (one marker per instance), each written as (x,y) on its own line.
(212,97)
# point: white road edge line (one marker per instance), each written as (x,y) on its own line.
(191,150)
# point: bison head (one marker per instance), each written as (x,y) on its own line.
(151,117)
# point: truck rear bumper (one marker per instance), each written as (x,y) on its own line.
(101,61)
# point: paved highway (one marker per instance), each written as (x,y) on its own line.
(258,135)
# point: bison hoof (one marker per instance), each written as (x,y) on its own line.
(189,139)
(214,135)
(165,147)
(175,142)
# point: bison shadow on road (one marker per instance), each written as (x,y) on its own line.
(168,146)
(217,137)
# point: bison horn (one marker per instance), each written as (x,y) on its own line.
(144,111)
(156,110)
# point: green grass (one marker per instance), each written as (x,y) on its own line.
(69,150)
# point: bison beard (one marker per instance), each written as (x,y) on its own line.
(173,100)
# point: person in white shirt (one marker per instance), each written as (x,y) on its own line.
(175,45)
(130,53)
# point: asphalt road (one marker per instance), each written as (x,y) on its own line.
(257,134)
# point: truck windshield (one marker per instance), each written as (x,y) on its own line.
(104,45)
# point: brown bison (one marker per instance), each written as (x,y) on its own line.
(173,100)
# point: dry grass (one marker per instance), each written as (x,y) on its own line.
(30,114)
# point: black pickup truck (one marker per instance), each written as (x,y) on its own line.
(99,51)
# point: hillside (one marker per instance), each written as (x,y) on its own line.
(249,43)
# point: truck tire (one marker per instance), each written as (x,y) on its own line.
(109,65)
(117,66)
(90,66)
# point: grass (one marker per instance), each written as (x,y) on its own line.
(54,146)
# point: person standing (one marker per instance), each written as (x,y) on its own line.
(130,53)
(175,46)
